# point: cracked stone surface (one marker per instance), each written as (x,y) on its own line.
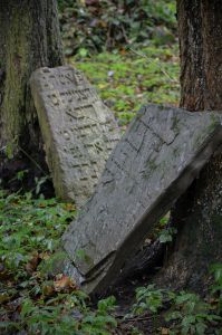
(157,159)
(78,130)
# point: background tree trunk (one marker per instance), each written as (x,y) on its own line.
(29,39)
(198,214)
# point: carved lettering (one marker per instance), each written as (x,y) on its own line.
(82,130)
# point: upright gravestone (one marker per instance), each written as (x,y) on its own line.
(78,130)
(154,163)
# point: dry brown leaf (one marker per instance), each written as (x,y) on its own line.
(64,283)
(4,297)
(31,266)
(70,206)
(48,290)
(44,255)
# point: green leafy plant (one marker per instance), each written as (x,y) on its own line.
(166,235)
(101,322)
(89,27)
(30,230)
(216,290)
(67,315)
(190,315)
(29,227)
(151,300)
(148,299)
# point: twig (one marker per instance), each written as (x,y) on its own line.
(32,160)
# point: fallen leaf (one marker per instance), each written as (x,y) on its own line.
(70,206)
(31,266)
(4,297)
(64,283)
(4,272)
(44,255)
(48,290)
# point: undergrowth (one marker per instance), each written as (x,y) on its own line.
(35,301)
(92,26)
(127,80)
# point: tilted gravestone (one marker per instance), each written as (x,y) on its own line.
(154,163)
(78,130)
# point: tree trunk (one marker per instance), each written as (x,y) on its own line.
(198,214)
(29,40)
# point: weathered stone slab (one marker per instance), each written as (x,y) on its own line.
(157,159)
(79,131)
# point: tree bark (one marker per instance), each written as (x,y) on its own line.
(198,214)
(29,40)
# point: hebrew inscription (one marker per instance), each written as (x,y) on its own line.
(79,131)
(157,159)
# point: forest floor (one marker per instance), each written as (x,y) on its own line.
(33,301)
